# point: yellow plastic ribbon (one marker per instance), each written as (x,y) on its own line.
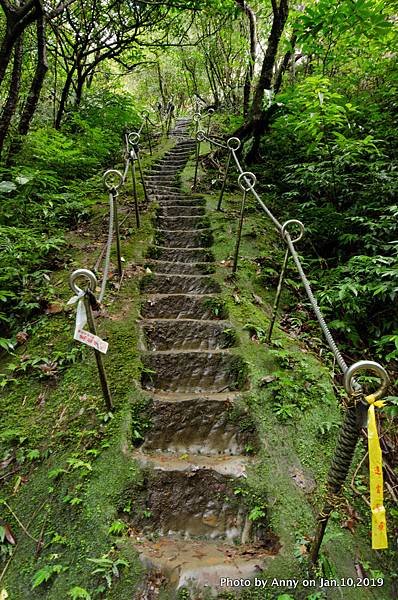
(379,524)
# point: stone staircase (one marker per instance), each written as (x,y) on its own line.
(196,528)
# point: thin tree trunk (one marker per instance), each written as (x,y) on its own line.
(285,64)
(13,93)
(250,68)
(17,20)
(259,118)
(64,97)
(36,87)
(160,80)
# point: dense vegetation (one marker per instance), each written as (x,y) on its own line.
(311,89)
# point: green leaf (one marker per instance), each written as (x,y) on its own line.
(78,592)
(7,186)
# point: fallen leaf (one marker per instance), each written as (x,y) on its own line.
(257,299)
(9,535)
(54,308)
(349,524)
(267,379)
(4,464)
(303,549)
(22,337)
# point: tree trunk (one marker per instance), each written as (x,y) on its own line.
(259,118)
(285,64)
(36,86)
(64,97)
(13,93)
(79,89)
(17,20)
(160,81)
(250,69)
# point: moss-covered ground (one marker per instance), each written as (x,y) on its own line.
(65,484)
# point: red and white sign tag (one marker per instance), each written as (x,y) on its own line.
(81,335)
(91,340)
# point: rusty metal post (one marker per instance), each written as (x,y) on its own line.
(277,296)
(224,183)
(246,182)
(89,299)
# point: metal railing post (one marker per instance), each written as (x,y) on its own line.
(282,275)
(117,233)
(246,181)
(210,112)
(113,179)
(89,300)
(199,139)
(134,138)
(145,115)
(233,144)
(277,296)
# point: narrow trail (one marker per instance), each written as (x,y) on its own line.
(196,529)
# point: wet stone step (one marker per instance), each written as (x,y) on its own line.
(189,335)
(181,211)
(182,222)
(191,504)
(180,306)
(194,372)
(198,564)
(164,176)
(163,169)
(156,188)
(235,466)
(182,268)
(201,238)
(166,200)
(199,425)
(178,284)
(181,255)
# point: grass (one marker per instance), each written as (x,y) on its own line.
(68,497)
(292,465)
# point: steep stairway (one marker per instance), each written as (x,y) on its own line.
(193,529)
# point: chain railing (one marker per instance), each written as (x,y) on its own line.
(358,403)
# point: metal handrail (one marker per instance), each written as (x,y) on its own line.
(247,182)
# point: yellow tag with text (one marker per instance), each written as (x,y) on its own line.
(379,525)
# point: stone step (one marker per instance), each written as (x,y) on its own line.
(225,464)
(188,335)
(199,425)
(154,283)
(164,169)
(180,211)
(195,372)
(171,199)
(203,565)
(179,238)
(181,255)
(183,306)
(182,222)
(165,189)
(180,268)
(162,178)
(189,501)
